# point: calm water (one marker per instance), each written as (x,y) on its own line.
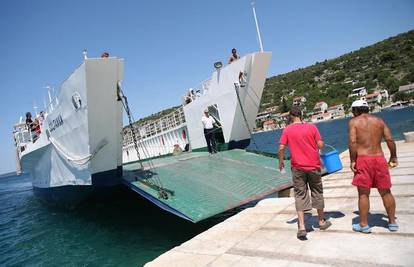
(125,232)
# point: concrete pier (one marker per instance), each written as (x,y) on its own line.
(265,235)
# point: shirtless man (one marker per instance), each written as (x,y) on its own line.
(369,164)
(233,56)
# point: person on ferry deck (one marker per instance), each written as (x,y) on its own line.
(105,55)
(33,126)
(304,140)
(368,163)
(29,121)
(233,56)
(208,125)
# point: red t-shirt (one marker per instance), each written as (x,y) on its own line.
(301,139)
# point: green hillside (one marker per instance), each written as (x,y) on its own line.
(384,65)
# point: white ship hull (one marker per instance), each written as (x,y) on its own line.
(234,101)
(79,147)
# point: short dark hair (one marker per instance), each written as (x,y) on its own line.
(360,110)
(296,111)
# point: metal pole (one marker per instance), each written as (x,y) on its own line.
(257,27)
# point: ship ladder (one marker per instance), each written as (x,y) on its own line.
(151,177)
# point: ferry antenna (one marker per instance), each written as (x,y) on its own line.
(257,26)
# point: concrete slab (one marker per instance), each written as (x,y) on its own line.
(265,235)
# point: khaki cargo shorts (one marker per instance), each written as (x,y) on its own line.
(303,181)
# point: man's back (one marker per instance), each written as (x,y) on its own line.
(302,140)
(367,131)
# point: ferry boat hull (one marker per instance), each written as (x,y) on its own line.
(79,148)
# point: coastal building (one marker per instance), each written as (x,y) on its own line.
(299,101)
(320,107)
(358,92)
(281,119)
(373,99)
(336,111)
(384,94)
(262,116)
(269,125)
(408,88)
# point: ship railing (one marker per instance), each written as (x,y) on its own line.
(22,136)
(196,92)
(163,124)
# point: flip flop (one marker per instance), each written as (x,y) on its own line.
(301,234)
(393,227)
(358,228)
(325,225)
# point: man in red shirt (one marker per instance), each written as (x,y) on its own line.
(304,140)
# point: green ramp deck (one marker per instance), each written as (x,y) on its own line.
(205,185)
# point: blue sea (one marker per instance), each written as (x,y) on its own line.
(127,231)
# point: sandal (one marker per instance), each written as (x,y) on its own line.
(301,234)
(362,229)
(393,227)
(325,225)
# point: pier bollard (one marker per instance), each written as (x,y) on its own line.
(409,137)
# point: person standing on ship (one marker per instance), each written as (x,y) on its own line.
(369,164)
(233,56)
(304,140)
(208,125)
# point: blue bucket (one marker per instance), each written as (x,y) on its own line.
(331,160)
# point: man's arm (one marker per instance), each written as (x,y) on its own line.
(282,156)
(391,145)
(321,144)
(352,143)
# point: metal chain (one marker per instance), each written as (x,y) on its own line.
(151,178)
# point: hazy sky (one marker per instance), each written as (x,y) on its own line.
(169,46)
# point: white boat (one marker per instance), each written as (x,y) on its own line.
(397,105)
(78,149)
(232,95)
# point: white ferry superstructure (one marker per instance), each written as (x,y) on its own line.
(232,95)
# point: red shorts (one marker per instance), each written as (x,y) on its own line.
(372,172)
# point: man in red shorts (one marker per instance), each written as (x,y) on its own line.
(369,164)
(304,140)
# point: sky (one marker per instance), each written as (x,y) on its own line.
(170,46)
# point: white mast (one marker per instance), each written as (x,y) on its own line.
(35,108)
(257,26)
(50,98)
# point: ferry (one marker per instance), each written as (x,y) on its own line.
(232,96)
(75,148)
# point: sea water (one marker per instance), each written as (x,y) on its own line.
(127,231)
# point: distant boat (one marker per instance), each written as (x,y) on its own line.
(232,95)
(397,105)
(77,148)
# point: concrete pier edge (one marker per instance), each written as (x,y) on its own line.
(265,235)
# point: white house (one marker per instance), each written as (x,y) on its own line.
(320,107)
(299,101)
(373,99)
(337,111)
(358,92)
